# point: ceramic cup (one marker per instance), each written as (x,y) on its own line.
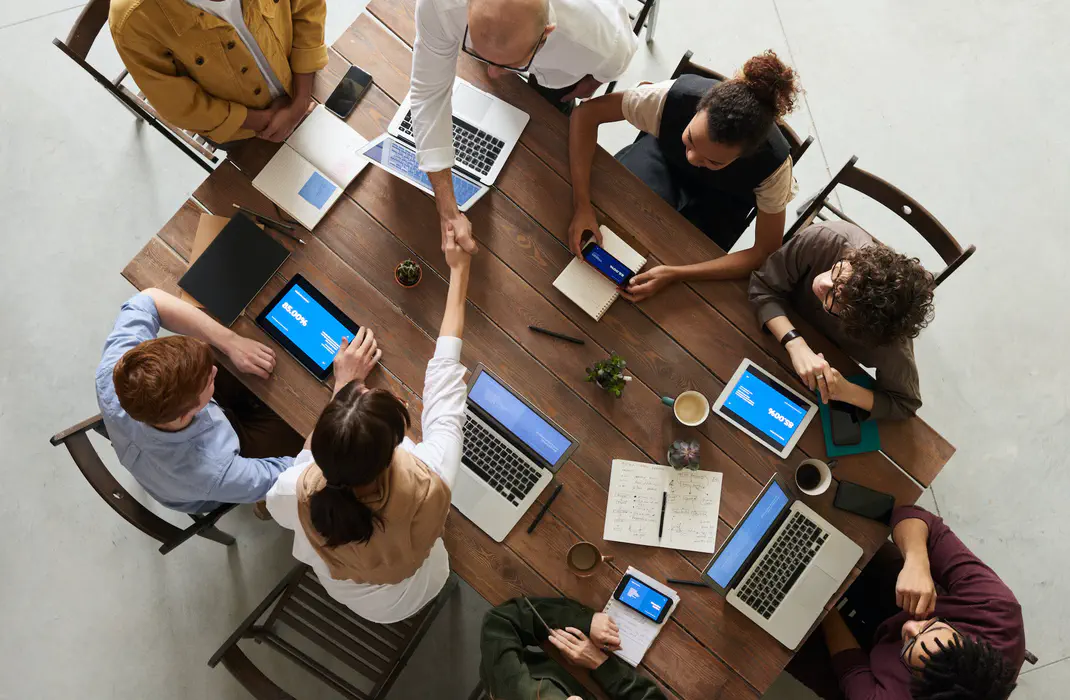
(584,558)
(690,408)
(813,477)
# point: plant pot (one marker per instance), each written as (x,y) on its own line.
(674,465)
(397,277)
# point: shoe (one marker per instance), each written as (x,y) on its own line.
(261,512)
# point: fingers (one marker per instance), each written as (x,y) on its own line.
(823,388)
(576,633)
(365,341)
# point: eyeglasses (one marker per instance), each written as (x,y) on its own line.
(833,295)
(905,656)
(513,69)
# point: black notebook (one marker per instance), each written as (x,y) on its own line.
(233,269)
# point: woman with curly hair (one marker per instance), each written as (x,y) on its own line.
(710,148)
(867,298)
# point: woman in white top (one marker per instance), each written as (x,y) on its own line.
(366,504)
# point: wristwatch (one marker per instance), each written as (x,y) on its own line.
(790,336)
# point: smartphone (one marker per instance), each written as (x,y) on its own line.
(614,270)
(845,423)
(857,499)
(643,599)
(344,98)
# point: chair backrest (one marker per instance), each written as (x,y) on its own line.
(892,198)
(87,27)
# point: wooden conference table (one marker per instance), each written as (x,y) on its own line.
(690,336)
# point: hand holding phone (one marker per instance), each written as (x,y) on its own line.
(643,599)
(614,270)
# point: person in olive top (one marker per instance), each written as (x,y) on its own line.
(712,149)
(512,669)
(868,299)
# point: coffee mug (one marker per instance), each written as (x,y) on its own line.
(690,408)
(813,477)
(583,558)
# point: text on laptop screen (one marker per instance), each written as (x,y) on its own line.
(399,158)
(308,325)
(747,535)
(759,402)
(527,425)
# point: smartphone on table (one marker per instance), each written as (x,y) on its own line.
(345,97)
(643,599)
(614,270)
(860,500)
(845,423)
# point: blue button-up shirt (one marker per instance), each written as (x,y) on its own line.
(194,469)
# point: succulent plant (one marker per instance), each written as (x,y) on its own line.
(609,374)
(684,454)
(408,273)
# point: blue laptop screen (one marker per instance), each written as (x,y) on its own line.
(747,535)
(308,325)
(515,416)
(400,159)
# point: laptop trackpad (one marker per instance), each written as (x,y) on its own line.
(470,105)
(467,491)
(813,589)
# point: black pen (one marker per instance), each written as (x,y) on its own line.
(685,582)
(545,507)
(562,336)
(265,219)
(664,500)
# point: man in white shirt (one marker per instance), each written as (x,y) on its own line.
(560,43)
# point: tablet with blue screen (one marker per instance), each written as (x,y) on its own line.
(765,408)
(307,325)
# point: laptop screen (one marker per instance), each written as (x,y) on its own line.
(748,534)
(526,425)
(400,159)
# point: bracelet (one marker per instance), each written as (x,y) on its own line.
(790,336)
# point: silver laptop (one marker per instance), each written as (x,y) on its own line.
(511,451)
(782,564)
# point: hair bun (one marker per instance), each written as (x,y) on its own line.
(772,81)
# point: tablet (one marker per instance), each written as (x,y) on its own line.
(307,325)
(765,408)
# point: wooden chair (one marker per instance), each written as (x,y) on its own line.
(77,45)
(906,207)
(76,440)
(376,652)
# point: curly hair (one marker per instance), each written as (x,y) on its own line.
(888,296)
(964,669)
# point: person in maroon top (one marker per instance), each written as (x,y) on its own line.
(956,632)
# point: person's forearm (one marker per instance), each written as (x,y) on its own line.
(779,326)
(185,319)
(838,636)
(302,88)
(453,319)
(732,266)
(912,538)
(256,120)
(445,199)
(582,144)
(858,396)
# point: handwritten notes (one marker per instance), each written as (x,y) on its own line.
(633,514)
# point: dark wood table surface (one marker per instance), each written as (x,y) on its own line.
(689,336)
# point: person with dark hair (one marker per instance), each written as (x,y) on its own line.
(936,622)
(712,149)
(868,299)
(367,505)
(190,434)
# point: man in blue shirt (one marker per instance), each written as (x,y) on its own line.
(188,450)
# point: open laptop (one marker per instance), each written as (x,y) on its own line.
(511,451)
(782,564)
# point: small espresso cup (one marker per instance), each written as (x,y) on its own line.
(690,408)
(584,557)
(813,477)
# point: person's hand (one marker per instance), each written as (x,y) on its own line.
(649,283)
(832,385)
(355,360)
(456,256)
(604,632)
(808,365)
(577,648)
(915,591)
(285,120)
(584,220)
(251,357)
(258,119)
(460,228)
(584,88)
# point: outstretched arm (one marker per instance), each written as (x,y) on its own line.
(582,145)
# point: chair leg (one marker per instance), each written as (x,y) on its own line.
(216,535)
(652,21)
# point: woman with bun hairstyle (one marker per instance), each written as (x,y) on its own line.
(367,505)
(711,149)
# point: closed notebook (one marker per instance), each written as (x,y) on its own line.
(313,167)
(587,287)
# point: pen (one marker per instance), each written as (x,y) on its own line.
(685,582)
(285,233)
(545,507)
(664,500)
(538,616)
(553,334)
(265,219)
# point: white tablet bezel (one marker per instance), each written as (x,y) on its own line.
(811,410)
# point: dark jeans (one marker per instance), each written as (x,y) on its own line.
(261,433)
(554,95)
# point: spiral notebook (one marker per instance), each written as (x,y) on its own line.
(587,287)
(637,633)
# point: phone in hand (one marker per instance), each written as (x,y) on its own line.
(344,98)
(614,270)
(860,500)
(845,423)
(643,599)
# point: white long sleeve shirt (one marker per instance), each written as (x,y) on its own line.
(443,424)
(592,37)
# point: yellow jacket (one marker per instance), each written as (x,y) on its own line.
(195,70)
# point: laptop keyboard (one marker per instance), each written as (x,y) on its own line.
(493,462)
(475,149)
(785,560)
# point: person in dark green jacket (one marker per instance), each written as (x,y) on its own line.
(514,669)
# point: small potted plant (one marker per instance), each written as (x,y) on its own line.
(684,454)
(609,374)
(408,273)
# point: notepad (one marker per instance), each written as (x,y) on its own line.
(587,287)
(637,633)
(692,498)
(312,169)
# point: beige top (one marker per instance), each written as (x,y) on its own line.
(642,106)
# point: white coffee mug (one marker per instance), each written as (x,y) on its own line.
(806,485)
(692,398)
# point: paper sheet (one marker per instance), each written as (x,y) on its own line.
(330,145)
(637,633)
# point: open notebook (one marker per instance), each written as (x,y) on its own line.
(308,174)
(587,287)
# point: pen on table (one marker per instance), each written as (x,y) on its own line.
(685,582)
(545,507)
(265,219)
(286,233)
(554,334)
(661,524)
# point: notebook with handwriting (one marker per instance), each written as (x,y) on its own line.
(587,287)
(692,503)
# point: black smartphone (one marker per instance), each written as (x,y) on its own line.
(845,423)
(860,500)
(643,599)
(344,98)
(614,270)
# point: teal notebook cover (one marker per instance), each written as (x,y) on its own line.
(871,439)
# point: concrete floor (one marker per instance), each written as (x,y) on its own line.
(924,93)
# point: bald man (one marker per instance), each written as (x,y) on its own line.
(568,47)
